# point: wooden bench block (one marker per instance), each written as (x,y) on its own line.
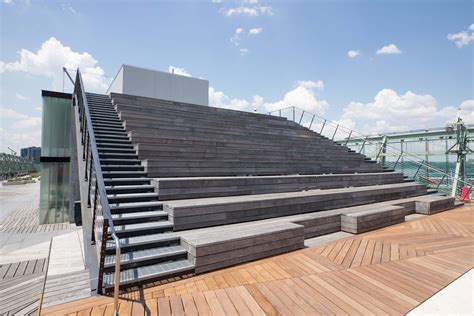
(363,221)
(432,204)
(211,249)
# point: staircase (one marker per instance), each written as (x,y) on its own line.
(149,249)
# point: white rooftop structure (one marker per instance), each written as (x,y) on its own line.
(160,85)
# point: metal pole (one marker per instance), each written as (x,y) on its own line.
(301,118)
(440,182)
(396,162)
(418,170)
(333,135)
(294,114)
(311,122)
(363,144)
(348,138)
(321,132)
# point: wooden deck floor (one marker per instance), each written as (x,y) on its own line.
(388,271)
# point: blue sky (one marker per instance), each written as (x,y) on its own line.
(255,54)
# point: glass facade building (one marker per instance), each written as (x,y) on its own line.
(32,153)
(55,158)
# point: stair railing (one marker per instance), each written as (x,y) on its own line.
(102,222)
(411,165)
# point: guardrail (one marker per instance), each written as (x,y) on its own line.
(411,165)
(12,166)
(102,223)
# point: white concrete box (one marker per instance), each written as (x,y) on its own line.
(160,85)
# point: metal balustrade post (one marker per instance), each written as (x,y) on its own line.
(294,110)
(335,131)
(396,162)
(90,185)
(440,182)
(279,112)
(418,170)
(322,127)
(348,138)
(301,118)
(87,154)
(311,121)
(363,144)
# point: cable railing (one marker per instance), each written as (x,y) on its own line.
(391,157)
(102,224)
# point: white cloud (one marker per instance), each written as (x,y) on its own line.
(353,53)
(49,60)
(18,130)
(462,38)
(466,111)
(7,1)
(255,31)
(29,123)
(216,1)
(68,7)
(220,100)
(253,9)
(302,96)
(235,39)
(11,114)
(178,71)
(244,51)
(390,112)
(21,97)
(257,101)
(389,49)
(309,84)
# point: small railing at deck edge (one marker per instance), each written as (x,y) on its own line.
(410,165)
(102,222)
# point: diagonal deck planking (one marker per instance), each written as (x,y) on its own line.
(388,271)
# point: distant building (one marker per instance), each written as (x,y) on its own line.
(34,153)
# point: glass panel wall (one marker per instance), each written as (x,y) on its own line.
(54,192)
(55,155)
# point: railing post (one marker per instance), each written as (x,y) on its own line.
(322,127)
(335,131)
(301,118)
(363,144)
(311,122)
(418,170)
(294,110)
(90,184)
(440,182)
(398,159)
(279,112)
(87,154)
(348,138)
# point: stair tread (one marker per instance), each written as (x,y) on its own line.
(138,215)
(110,174)
(148,272)
(157,252)
(127,187)
(140,226)
(131,195)
(126,179)
(128,205)
(151,238)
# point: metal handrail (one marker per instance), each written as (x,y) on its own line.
(364,138)
(90,142)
